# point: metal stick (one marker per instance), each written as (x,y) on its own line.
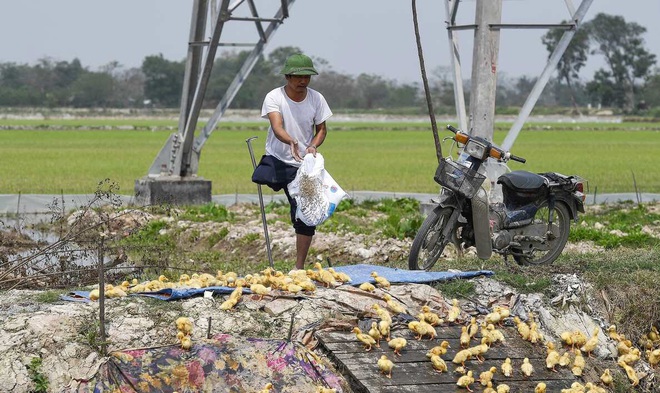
(261,203)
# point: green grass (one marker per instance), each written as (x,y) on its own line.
(396,157)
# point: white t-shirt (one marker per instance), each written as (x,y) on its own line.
(300,121)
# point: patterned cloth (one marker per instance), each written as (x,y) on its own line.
(222,364)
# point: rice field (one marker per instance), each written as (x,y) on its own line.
(72,156)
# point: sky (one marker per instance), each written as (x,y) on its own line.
(354,36)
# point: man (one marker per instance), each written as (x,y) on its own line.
(297,116)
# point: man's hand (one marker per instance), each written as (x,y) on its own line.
(311,149)
(294,150)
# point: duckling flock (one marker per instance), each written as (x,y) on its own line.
(260,283)
(575,344)
(296,281)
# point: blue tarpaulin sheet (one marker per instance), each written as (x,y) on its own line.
(359,274)
(163,294)
(362,273)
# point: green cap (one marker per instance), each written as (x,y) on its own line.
(298,64)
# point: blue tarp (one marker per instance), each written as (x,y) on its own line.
(163,294)
(362,273)
(359,274)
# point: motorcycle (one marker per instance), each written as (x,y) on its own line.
(531,224)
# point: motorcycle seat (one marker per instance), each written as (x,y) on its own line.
(522,181)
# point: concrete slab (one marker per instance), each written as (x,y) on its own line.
(175,191)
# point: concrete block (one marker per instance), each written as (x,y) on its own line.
(172,190)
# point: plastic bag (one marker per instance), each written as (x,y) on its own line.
(315,191)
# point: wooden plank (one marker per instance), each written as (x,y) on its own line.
(518,387)
(413,370)
(423,372)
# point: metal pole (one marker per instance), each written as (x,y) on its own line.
(261,203)
(542,81)
(484,68)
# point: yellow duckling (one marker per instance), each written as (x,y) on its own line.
(366,339)
(381,281)
(431,317)
(438,364)
(454,312)
(186,342)
(382,313)
(654,334)
(384,329)
(503,388)
(612,333)
(473,327)
(624,346)
(339,276)
(94,294)
(478,350)
(260,290)
(465,337)
(236,293)
(438,349)
(397,344)
(553,357)
(503,311)
(540,387)
(653,357)
(325,277)
(591,343)
(460,370)
(184,325)
(228,304)
(489,388)
(462,356)
(267,388)
(579,338)
(606,378)
(507,368)
(487,376)
(494,335)
(578,363)
(593,388)
(368,287)
(395,307)
(385,366)
(375,333)
(421,329)
(293,288)
(527,368)
(534,334)
(631,357)
(630,372)
(565,359)
(523,328)
(466,380)
(493,317)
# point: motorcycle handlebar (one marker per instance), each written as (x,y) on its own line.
(500,153)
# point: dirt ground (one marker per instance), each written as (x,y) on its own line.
(62,333)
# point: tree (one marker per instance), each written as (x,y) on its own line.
(622,46)
(573,59)
(163,80)
(651,90)
(92,89)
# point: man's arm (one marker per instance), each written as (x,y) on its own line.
(277,124)
(318,139)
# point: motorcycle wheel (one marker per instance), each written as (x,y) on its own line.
(560,228)
(429,243)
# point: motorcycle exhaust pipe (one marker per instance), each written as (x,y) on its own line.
(481,223)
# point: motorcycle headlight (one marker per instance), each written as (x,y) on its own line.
(475,149)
